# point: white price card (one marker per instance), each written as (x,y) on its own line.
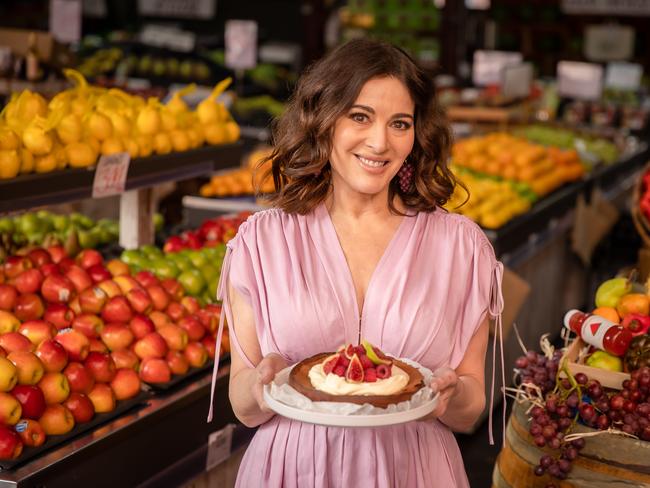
(583,81)
(65,20)
(219,446)
(623,76)
(110,175)
(517,80)
(241,44)
(488,66)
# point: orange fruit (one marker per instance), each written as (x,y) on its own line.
(608,313)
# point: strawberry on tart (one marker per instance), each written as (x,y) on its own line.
(356,374)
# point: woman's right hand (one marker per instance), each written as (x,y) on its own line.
(265,371)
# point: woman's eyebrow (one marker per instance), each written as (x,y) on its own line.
(372,111)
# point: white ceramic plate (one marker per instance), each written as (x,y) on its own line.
(338,420)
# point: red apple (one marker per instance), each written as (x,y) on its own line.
(37,331)
(196,354)
(11,447)
(56,420)
(151,346)
(29,307)
(3,353)
(80,406)
(92,300)
(65,264)
(117,336)
(14,265)
(39,257)
(210,344)
(103,398)
(117,309)
(8,375)
(175,337)
(79,378)
(88,258)
(174,288)
(111,288)
(160,319)
(50,269)
(8,322)
(126,283)
(146,278)
(118,268)
(57,288)
(190,304)
(125,358)
(29,281)
(139,300)
(159,297)
(30,369)
(176,311)
(125,384)
(79,277)
(30,432)
(193,326)
(141,325)
(96,345)
(155,370)
(15,341)
(53,355)
(8,295)
(55,387)
(57,253)
(177,362)
(208,319)
(59,315)
(75,306)
(88,324)
(10,409)
(31,400)
(99,273)
(101,366)
(75,343)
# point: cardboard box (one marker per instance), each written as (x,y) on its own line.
(609,379)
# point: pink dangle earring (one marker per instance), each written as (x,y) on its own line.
(405,175)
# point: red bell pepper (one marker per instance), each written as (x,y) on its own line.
(636,323)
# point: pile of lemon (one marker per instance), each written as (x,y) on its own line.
(80,124)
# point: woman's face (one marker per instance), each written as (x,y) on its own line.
(372,140)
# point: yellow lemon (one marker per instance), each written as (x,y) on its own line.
(100,126)
(38,141)
(215,133)
(148,121)
(112,145)
(31,105)
(45,164)
(232,131)
(60,156)
(208,111)
(180,140)
(195,140)
(121,124)
(145,146)
(132,148)
(9,139)
(80,106)
(26,161)
(162,144)
(9,163)
(168,120)
(70,129)
(81,154)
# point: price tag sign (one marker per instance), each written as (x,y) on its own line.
(583,81)
(110,175)
(517,80)
(488,66)
(623,76)
(241,44)
(65,20)
(219,446)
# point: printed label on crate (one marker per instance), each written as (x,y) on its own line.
(219,446)
(110,175)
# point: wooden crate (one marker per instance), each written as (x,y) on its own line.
(609,379)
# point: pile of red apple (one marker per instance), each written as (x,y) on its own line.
(212,232)
(77,335)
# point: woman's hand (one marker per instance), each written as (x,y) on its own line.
(445,381)
(265,371)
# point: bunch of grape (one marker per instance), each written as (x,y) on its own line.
(537,369)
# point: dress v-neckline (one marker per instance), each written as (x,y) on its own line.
(340,256)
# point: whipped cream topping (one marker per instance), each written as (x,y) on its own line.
(337,385)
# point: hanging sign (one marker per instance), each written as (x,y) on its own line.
(608,42)
(65,20)
(192,9)
(488,66)
(583,81)
(241,44)
(623,76)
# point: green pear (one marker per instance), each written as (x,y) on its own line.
(604,360)
(610,291)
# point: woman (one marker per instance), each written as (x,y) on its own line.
(358,246)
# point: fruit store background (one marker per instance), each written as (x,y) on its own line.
(130,140)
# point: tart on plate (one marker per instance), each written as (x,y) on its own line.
(356,374)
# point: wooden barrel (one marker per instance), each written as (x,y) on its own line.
(606,461)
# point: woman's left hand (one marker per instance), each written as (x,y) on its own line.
(444,381)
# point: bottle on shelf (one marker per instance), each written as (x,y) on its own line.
(598,332)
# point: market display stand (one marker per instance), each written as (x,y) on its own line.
(163,443)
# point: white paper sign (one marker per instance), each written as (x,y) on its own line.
(219,446)
(65,20)
(608,42)
(583,81)
(517,80)
(623,76)
(110,175)
(488,66)
(617,7)
(197,9)
(241,44)
(171,37)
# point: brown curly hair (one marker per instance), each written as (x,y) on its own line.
(302,136)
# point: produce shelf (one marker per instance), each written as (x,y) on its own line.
(162,444)
(35,190)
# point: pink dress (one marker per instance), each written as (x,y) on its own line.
(431,290)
